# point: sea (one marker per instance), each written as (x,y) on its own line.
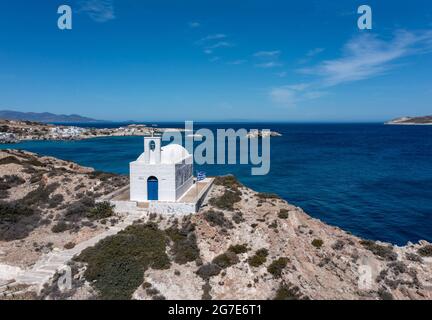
(370,179)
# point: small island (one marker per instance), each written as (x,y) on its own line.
(417,121)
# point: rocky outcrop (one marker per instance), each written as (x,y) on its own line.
(427,120)
(241,245)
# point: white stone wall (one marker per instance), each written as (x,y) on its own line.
(139,174)
(176,208)
(125,206)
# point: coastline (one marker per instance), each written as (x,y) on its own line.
(219,247)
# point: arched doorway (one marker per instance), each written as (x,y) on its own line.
(152,189)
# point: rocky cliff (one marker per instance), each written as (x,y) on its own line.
(241,245)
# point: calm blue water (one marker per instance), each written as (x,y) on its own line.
(372,180)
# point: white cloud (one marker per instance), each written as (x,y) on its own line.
(194,24)
(217,36)
(220,44)
(237,62)
(270,64)
(98,10)
(314,52)
(363,57)
(366,56)
(291,95)
(267,54)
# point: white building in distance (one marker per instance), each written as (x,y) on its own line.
(161,173)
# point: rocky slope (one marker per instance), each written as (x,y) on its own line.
(46,203)
(247,245)
(241,245)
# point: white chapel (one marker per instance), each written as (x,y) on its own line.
(161,173)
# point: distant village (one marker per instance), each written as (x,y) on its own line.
(12,131)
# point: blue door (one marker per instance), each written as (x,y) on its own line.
(152,188)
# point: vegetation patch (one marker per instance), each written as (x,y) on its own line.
(425,251)
(217,218)
(17,220)
(8,182)
(277,266)
(40,196)
(79,209)
(116,265)
(283,214)
(226,260)
(259,258)
(228,181)
(61,226)
(101,210)
(385,252)
(288,292)
(218,264)
(267,196)
(10,160)
(238,248)
(317,243)
(227,200)
(184,248)
(55,200)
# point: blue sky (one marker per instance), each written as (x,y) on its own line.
(217,60)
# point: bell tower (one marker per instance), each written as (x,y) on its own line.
(152,150)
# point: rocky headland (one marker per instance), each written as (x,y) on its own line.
(241,245)
(426,120)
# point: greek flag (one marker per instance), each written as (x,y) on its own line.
(201,175)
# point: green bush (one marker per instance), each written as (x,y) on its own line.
(238,248)
(267,196)
(217,218)
(79,209)
(385,252)
(116,265)
(288,292)
(10,160)
(277,266)
(60,227)
(40,196)
(102,210)
(55,200)
(228,181)
(227,200)
(259,258)
(185,248)
(317,243)
(226,260)
(425,251)
(17,220)
(283,214)
(69,245)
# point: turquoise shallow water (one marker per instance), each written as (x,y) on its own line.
(370,179)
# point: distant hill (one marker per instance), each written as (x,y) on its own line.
(43,117)
(426,120)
